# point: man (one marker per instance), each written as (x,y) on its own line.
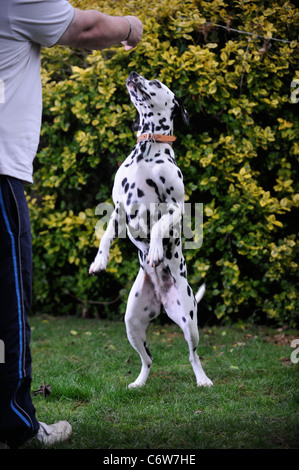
(24,28)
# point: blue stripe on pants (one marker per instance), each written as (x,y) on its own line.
(17,413)
(17,287)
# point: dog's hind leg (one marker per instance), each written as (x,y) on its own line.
(181,307)
(192,337)
(142,307)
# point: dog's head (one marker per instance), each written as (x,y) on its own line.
(156,104)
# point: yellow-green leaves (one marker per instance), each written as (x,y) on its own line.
(238,156)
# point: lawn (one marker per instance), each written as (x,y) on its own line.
(254,403)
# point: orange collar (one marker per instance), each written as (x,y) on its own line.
(167,139)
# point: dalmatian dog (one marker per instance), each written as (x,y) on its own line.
(148,196)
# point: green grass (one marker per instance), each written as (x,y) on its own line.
(89,364)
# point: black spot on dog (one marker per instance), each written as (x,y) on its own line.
(140,193)
(152,184)
(143,147)
(147,350)
(129,198)
(168,253)
(116,226)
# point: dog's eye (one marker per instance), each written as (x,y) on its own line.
(155,82)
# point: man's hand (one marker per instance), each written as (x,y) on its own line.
(136,30)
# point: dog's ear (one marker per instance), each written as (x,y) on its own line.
(182,110)
(135,125)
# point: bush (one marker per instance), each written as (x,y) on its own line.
(238,156)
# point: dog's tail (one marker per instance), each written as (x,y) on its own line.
(200,293)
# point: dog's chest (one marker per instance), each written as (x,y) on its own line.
(144,174)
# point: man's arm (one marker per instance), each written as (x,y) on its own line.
(91,29)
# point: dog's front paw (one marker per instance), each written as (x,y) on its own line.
(99,264)
(155,255)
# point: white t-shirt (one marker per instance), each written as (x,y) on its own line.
(25,26)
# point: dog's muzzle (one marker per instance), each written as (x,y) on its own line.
(136,80)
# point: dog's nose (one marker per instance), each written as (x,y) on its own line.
(132,76)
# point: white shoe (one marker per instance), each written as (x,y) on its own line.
(3,445)
(54,433)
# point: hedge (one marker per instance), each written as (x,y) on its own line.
(238,157)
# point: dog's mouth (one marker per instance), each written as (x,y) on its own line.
(131,83)
(134,83)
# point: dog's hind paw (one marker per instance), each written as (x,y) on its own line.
(205,382)
(136,384)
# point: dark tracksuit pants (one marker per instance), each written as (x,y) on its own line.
(17,413)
